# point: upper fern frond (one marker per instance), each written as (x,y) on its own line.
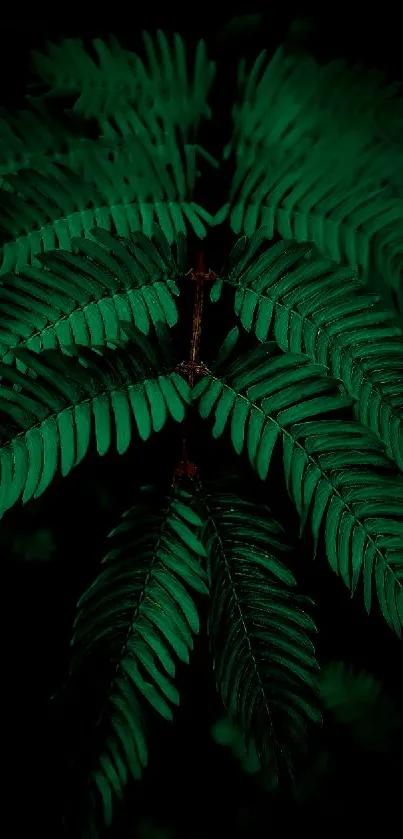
(80,297)
(33,139)
(140,615)
(312,307)
(49,420)
(318,174)
(123,193)
(119,78)
(135,162)
(259,630)
(292,92)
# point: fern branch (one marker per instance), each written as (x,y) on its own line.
(311,307)
(336,471)
(49,422)
(257,626)
(140,615)
(81,297)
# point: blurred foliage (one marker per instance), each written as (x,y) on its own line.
(34,546)
(355,699)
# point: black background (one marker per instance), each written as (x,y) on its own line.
(192,786)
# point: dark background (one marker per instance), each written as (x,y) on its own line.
(193,787)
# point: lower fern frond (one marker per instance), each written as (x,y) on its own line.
(259,630)
(139,615)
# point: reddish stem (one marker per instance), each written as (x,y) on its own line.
(186,467)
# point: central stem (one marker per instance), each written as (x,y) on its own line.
(186,467)
(197,319)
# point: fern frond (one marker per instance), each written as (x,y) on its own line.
(336,471)
(123,195)
(306,173)
(312,307)
(337,474)
(81,297)
(33,140)
(293,98)
(48,423)
(260,395)
(259,630)
(119,78)
(140,616)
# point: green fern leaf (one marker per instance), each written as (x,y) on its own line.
(256,626)
(33,140)
(140,614)
(338,474)
(311,307)
(294,98)
(162,86)
(49,420)
(83,297)
(261,395)
(226,733)
(311,172)
(127,194)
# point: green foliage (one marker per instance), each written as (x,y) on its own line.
(35,546)
(226,733)
(95,215)
(336,472)
(262,394)
(81,297)
(140,615)
(121,81)
(52,416)
(312,307)
(357,700)
(314,166)
(259,630)
(353,700)
(140,168)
